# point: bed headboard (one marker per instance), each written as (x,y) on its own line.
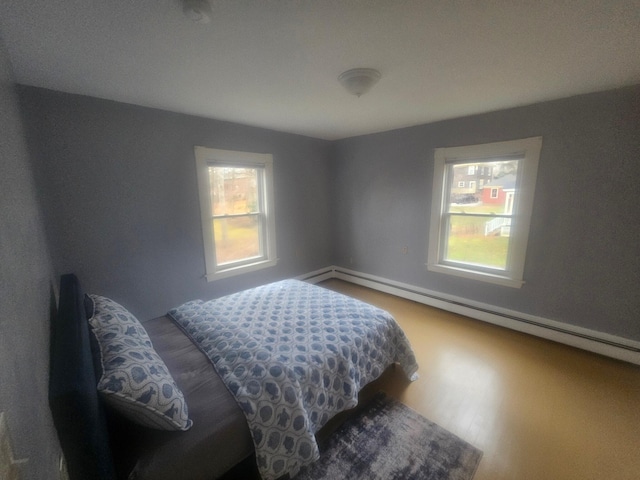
(77,411)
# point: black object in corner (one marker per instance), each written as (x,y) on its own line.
(77,411)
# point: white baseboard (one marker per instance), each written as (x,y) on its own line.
(318,275)
(591,340)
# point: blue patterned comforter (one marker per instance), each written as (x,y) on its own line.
(294,355)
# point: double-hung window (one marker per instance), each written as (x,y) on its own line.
(484,237)
(237,208)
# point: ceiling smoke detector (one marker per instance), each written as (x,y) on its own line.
(198,11)
(359,81)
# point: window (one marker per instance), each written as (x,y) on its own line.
(461,184)
(236,204)
(471,170)
(486,240)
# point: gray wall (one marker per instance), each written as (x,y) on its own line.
(118,185)
(119,190)
(583,259)
(25,294)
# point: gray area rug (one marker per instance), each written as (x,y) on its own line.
(389,441)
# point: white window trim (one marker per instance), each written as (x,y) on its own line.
(512,276)
(206,157)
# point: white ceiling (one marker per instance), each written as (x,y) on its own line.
(275,64)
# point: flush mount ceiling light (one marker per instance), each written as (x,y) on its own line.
(198,11)
(358,81)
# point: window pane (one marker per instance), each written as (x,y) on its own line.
(482,186)
(236,238)
(234,190)
(481,241)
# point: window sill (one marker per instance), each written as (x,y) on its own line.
(475,275)
(239,270)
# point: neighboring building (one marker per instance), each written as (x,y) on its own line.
(468,181)
(500,191)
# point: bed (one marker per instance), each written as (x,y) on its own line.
(250,377)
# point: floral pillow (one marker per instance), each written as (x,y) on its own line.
(135,381)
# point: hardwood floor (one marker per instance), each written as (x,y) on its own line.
(537,409)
